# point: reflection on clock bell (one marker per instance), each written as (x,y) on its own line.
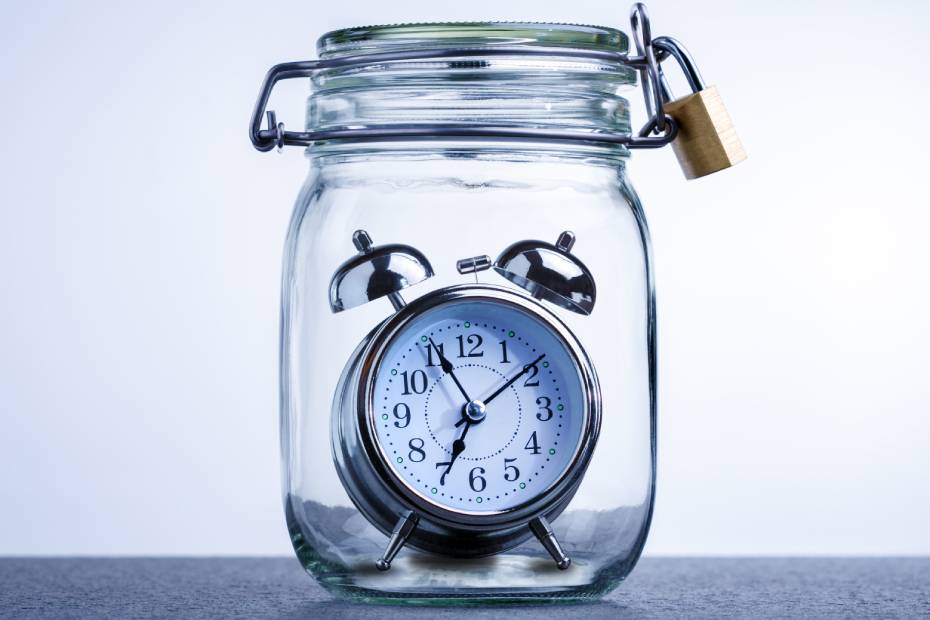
(376,271)
(550,272)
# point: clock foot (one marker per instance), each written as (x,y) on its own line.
(543,531)
(402,531)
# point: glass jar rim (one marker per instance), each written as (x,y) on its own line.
(370,39)
(551,90)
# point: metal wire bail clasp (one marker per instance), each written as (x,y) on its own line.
(278,128)
(660,129)
(649,72)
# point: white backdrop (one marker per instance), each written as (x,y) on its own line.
(140,238)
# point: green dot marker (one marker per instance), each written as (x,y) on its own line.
(560,407)
(467,324)
(510,333)
(400,459)
(433,490)
(479,500)
(551,450)
(545,364)
(394,371)
(384,416)
(522,485)
(423,338)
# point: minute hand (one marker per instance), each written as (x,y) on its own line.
(525,370)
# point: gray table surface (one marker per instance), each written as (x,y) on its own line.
(278,587)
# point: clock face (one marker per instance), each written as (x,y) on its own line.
(499,430)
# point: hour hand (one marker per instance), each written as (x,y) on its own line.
(458,446)
(447,368)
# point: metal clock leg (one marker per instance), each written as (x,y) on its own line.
(543,531)
(402,531)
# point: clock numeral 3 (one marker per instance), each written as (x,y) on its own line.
(545,413)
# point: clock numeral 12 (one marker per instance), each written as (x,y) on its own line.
(473,339)
(545,412)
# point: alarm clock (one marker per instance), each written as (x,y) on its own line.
(463,423)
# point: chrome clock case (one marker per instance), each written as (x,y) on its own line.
(409,517)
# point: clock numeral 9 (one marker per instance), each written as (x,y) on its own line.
(545,413)
(476,481)
(473,339)
(402,413)
(416,450)
(415,381)
(511,473)
(532,444)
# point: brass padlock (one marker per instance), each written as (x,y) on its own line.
(706,140)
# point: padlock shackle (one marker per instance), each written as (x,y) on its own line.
(667,46)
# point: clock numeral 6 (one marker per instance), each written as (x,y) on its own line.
(415,381)
(511,473)
(476,481)
(416,450)
(402,413)
(545,413)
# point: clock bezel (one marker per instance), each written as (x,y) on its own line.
(416,500)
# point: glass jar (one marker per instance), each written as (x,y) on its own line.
(436,211)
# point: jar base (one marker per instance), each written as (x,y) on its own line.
(425,580)
(524,575)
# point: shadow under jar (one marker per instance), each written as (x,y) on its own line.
(468,347)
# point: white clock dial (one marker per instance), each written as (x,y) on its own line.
(513,437)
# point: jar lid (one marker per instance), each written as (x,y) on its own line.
(366,39)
